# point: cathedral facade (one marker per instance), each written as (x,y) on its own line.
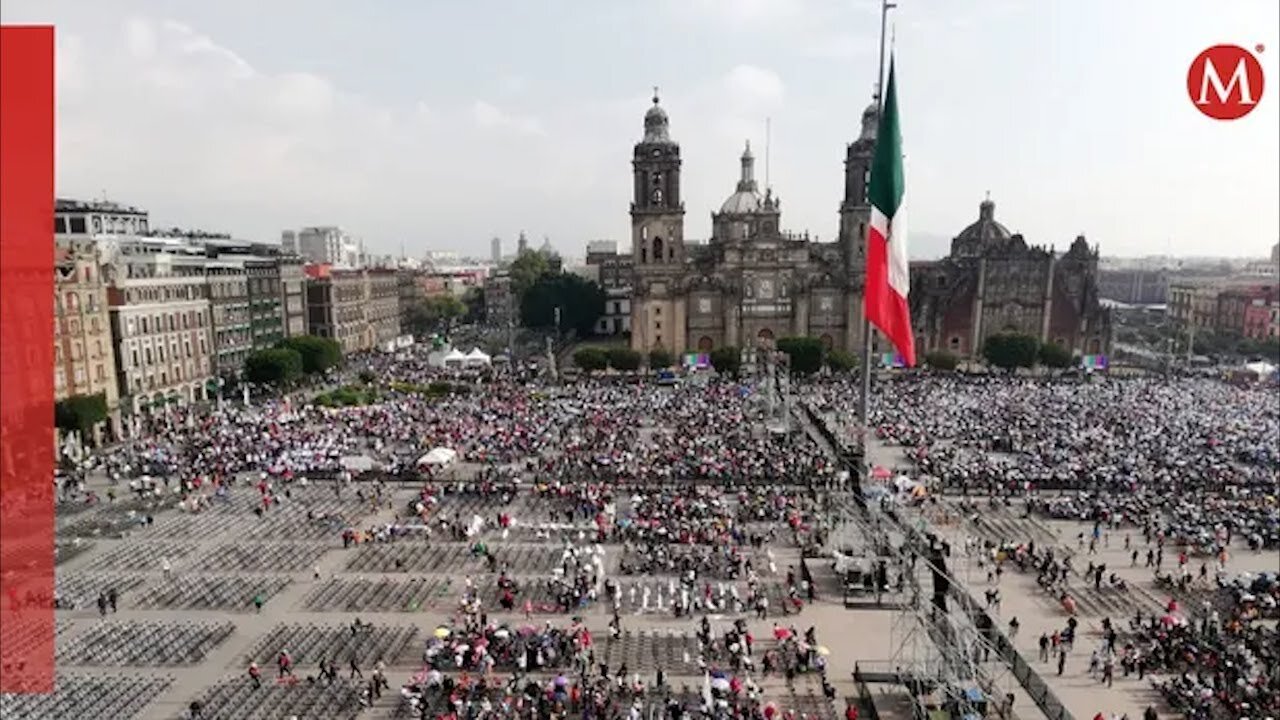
(753,283)
(993,281)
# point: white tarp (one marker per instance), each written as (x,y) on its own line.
(454,358)
(439,457)
(357,463)
(477,357)
(1261,368)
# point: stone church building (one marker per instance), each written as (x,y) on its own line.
(752,282)
(993,281)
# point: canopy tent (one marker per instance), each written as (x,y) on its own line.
(439,457)
(448,356)
(477,358)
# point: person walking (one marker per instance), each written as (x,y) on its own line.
(255,675)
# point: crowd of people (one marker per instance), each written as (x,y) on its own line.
(697,495)
(1195,457)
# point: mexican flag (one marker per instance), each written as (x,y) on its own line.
(888,279)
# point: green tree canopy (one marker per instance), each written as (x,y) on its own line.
(473,299)
(428,314)
(581,303)
(624,359)
(1055,356)
(942,360)
(659,358)
(727,360)
(1011,350)
(805,353)
(591,359)
(840,361)
(318,354)
(528,269)
(80,413)
(274,366)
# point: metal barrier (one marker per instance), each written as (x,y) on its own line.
(1027,677)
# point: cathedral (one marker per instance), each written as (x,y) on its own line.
(752,282)
(993,281)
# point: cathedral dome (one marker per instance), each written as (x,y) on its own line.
(656,123)
(742,202)
(870,121)
(986,229)
(746,198)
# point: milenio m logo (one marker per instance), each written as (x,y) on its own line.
(1225,81)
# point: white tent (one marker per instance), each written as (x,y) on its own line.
(477,358)
(439,457)
(454,359)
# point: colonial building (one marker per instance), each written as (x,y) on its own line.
(993,281)
(752,282)
(335,306)
(358,308)
(382,307)
(160,319)
(612,272)
(229,306)
(84,363)
(293,295)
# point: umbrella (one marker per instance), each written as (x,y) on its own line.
(781,633)
(880,473)
(720,684)
(824,650)
(443,632)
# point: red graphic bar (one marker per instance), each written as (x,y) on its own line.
(26,359)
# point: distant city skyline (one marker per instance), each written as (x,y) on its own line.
(398,126)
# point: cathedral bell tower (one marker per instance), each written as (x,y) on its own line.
(657,237)
(855,208)
(855,216)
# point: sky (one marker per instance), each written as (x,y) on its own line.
(432,124)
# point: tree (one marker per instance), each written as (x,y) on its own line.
(275,366)
(428,314)
(527,270)
(1055,356)
(726,360)
(80,413)
(591,359)
(840,361)
(581,302)
(318,354)
(1009,350)
(660,358)
(942,360)
(624,359)
(473,299)
(805,353)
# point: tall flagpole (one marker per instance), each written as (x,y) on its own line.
(865,402)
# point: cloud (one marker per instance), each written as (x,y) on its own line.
(754,87)
(738,13)
(841,46)
(202,137)
(490,117)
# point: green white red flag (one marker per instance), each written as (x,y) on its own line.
(888,276)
